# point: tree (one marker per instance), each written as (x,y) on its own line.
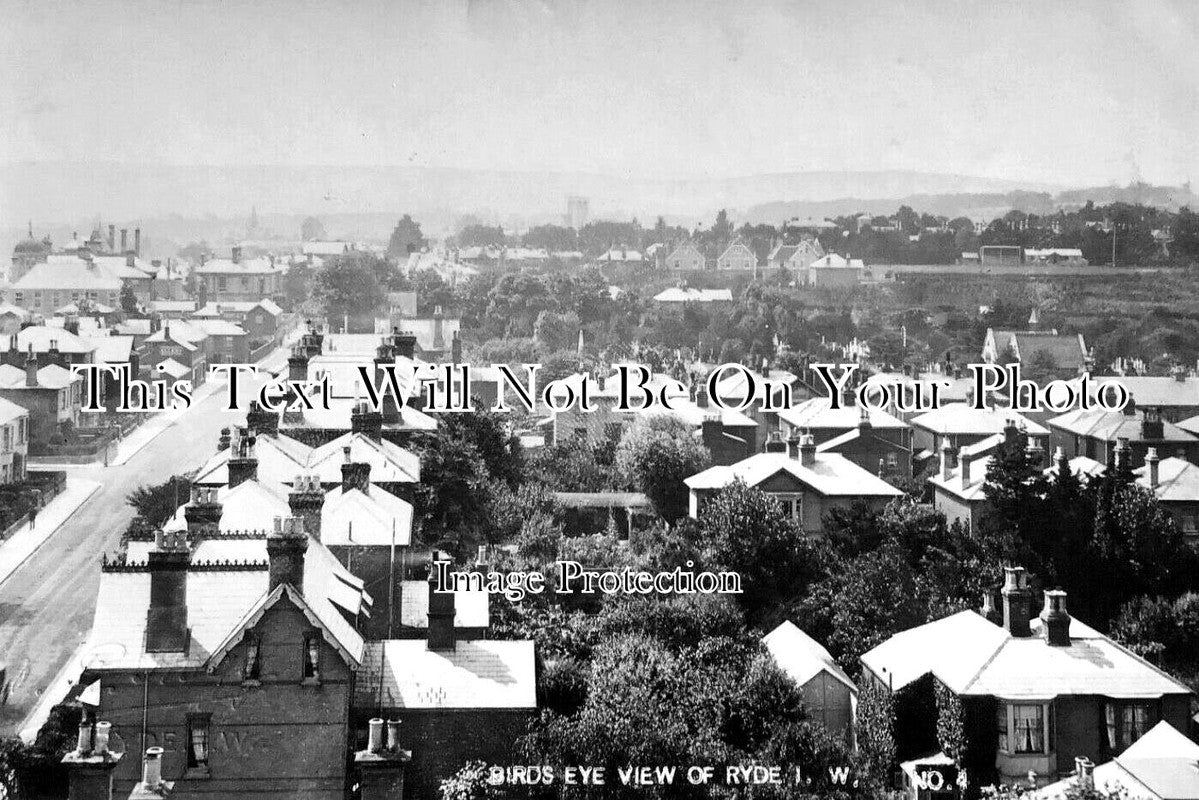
(347,288)
(158,503)
(311,229)
(655,455)
(128,299)
(406,238)
(480,236)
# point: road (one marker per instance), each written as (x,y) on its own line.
(46,606)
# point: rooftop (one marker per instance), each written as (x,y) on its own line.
(475,674)
(801,656)
(830,475)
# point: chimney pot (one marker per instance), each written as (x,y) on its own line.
(83,744)
(393,734)
(1055,621)
(103,731)
(1017,601)
(375,735)
(152,768)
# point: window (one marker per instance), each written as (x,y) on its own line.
(892,460)
(792,505)
(1028,728)
(1001,726)
(220,284)
(312,658)
(197,742)
(1125,723)
(250,671)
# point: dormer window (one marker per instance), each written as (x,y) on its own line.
(312,658)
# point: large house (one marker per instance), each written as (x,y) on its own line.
(1064,355)
(833,270)
(795,257)
(806,483)
(959,485)
(1047,690)
(1175,483)
(1097,434)
(960,425)
(14,442)
(737,256)
(687,256)
(237,278)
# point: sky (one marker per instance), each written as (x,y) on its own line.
(1068,93)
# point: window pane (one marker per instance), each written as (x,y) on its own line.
(197,743)
(1029,727)
(1001,726)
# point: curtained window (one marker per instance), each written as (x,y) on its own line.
(1028,728)
(197,742)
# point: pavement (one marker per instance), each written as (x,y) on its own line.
(48,600)
(29,537)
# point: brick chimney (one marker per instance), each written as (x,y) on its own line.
(243,464)
(71,324)
(1055,622)
(203,513)
(1152,426)
(1154,463)
(441,611)
(166,620)
(124,240)
(355,474)
(947,458)
(989,610)
(455,349)
(285,548)
(235,255)
(864,423)
(1017,602)
(297,364)
(261,421)
(807,450)
(775,442)
(90,765)
(702,400)
(367,422)
(1130,406)
(1123,453)
(306,500)
(438,329)
(112,238)
(137,241)
(31,368)
(964,461)
(389,405)
(225,439)
(152,786)
(381,765)
(405,344)
(793,440)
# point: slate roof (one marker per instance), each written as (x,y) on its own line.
(678,295)
(801,656)
(959,418)
(1178,480)
(818,414)
(377,518)
(279,457)
(10,411)
(979,454)
(389,462)
(830,475)
(1161,765)
(246,266)
(1149,390)
(50,376)
(974,657)
(1111,425)
(39,337)
(71,274)
(476,674)
(472,609)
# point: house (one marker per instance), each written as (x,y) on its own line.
(1097,434)
(686,256)
(817,417)
(63,279)
(588,513)
(11,318)
(237,278)
(807,484)
(958,488)
(960,424)
(14,442)
(1064,356)
(829,696)
(180,343)
(737,256)
(1175,483)
(1050,688)
(873,450)
(52,396)
(619,255)
(796,257)
(679,295)
(228,343)
(262,320)
(832,270)
(1175,396)
(1158,766)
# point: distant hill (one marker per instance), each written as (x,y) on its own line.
(66,191)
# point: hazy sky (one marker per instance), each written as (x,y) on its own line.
(1062,92)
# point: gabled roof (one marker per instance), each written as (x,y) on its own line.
(974,657)
(475,674)
(10,411)
(472,609)
(172,369)
(1147,390)
(679,295)
(251,505)
(959,418)
(818,414)
(280,457)
(1161,765)
(801,656)
(687,248)
(246,266)
(40,337)
(1111,425)
(374,519)
(218,327)
(389,462)
(1178,480)
(68,273)
(1081,466)
(830,475)
(738,249)
(979,455)
(50,376)
(834,261)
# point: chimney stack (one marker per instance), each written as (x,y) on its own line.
(112,237)
(306,500)
(864,423)
(368,423)
(203,513)
(1152,426)
(712,432)
(235,256)
(807,450)
(91,764)
(152,786)
(381,765)
(438,329)
(989,611)
(355,475)
(243,464)
(964,462)
(455,349)
(124,240)
(297,364)
(1154,464)
(775,443)
(441,611)
(137,241)
(1017,602)
(793,440)
(31,369)
(405,344)
(1055,621)
(947,454)
(166,620)
(285,548)
(260,421)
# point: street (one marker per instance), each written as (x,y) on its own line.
(46,606)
